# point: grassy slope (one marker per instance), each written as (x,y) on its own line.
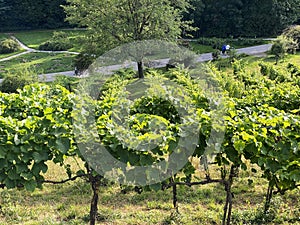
(3,36)
(34,38)
(69,203)
(43,62)
(2,56)
(199,49)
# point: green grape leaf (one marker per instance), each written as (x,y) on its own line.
(30,185)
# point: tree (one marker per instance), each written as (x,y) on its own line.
(223,18)
(194,14)
(287,12)
(3,7)
(31,14)
(115,22)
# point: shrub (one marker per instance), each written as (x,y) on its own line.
(58,42)
(293,69)
(69,83)
(18,79)
(82,62)
(293,32)
(215,55)
(8,46)
(264,69)
(283,45)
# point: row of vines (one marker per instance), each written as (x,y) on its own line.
(262,118)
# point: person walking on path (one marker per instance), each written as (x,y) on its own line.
(225,49)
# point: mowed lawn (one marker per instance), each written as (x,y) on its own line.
(3,36)
(199,205)
(40,62)
(34,38)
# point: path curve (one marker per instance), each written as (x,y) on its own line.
(254,50)
(30,50)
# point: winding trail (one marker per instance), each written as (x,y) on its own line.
(254,50)
(30,50)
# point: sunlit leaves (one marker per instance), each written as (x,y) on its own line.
(35,127)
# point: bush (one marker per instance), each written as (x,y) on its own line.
(17,80)
(82,62)
(57,45)
(9,46)
(293,69)
(264,69)
(58,42)
(293,32)
(215,55)
(70,83)
(281,46)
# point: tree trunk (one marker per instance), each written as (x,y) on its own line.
(229,196)
(140,69)
(94,202)
(94,207)
(175,204)
(268,197)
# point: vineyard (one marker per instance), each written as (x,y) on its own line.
(260,140)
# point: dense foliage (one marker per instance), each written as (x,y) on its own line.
(266,121)
(236,18)
(18,79)
(213,18)
(283,45)
(262,126)
(35,128)
(59,42)
(293,32)
(8,46)
(111,23)
(31,14)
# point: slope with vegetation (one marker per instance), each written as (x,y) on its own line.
(261,140)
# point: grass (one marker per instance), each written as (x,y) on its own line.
(2,56)
(69,204)
(3,36)
(43,63)
(199,49)
(34,38)
(234,43)
(252,62)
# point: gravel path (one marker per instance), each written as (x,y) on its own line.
(30,50)
(254,50)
